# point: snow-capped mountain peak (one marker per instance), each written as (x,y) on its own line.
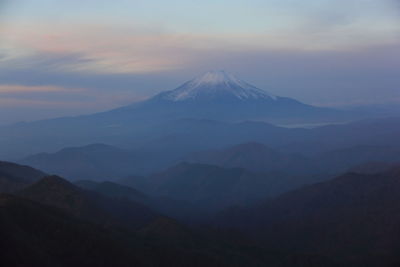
(216,84)
(215,77)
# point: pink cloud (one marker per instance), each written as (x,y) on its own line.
(131,50)
(17,89)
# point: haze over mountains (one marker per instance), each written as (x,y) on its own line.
(302,227)
(126,152)
(216,96)
(255,146)
(199,176)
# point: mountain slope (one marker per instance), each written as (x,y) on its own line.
(342,159)
(95,162)
(114,190)
(218,95)
(14,177)
(211,187)
(252,156)
(259,157)
(216,85)
(55,191)
(354,218)
(33,234)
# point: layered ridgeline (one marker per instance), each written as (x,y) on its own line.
(14,177)
(216,96)
(52,222)
(353,219)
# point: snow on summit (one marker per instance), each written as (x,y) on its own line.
(217,84)
(214,77)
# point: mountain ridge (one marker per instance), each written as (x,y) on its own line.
(353,217)
(89,205)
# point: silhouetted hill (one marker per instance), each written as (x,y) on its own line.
(166,229)
(211,187)
(374,167)
(381,132)
(89,205)
(114,190)
(259,157)
(179,209)
(354,218)
(342,159)
(14,177)
(33,234)
(95,161)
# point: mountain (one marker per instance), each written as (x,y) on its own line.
(252,156)
(216,85)
(114,190)
(343,159)
(181,210)
(261,158)
(211,188)
(33,234)
(14,177)
(218,95)
(374,167)
(369,132)
(95,162)
(156,149)
(353,218)
(88,205)
(212,96)
(63,240)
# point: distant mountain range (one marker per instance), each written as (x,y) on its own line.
(156,149)
(215,96)
(101,162)
(261,158)
(211,187)
(253,156)
(91,162)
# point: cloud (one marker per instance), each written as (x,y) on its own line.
(107,49)
(322,77)
(21,89)
(329,58)
(12,102)
(100,50)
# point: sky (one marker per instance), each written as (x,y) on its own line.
(70,57)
